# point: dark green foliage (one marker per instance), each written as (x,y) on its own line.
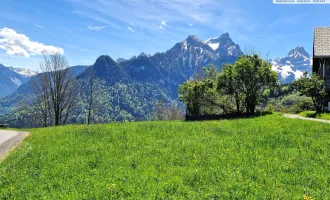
(106,69)
(279,90)
(253,76)
(118,96)
(296,103)
(211,72)
(228,84)
(240,85)
(191,94)
(142,69)
(313,87)
(121,102)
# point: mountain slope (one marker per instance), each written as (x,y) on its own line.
(129,88)
(10,80)
(105,68)
(27,73)
(292,66)
(224,46)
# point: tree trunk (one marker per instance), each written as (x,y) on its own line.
(252,108)
(237,103)
(90,108)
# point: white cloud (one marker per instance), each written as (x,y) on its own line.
(18,44)
(96,28)
(162,25)
(130,28)
(145,14)
(39,26)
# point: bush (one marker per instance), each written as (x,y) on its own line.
(270,108)
(295,103)
(310,114)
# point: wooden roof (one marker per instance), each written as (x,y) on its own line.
(321,44)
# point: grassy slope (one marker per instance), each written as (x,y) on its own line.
(313,114)
(269,156)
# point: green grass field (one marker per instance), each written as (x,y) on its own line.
(313,114)
(268,157)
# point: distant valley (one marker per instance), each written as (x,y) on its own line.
(132,86)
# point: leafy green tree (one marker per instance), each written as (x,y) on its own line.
(247,78)
(253,75)
(228,85)
(191,93)
(312,86)
(211,72)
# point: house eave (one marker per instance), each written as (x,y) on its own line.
(321,56)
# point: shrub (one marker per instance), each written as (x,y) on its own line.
(270,108)
(295,103)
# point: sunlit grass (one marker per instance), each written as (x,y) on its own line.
(268,157)
(313,114)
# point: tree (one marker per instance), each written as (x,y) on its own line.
(228,85)
(166,112)
(174,112)
(38,104)
(249,76)
(54,90)
(312,86)
(159,111)
(91,90)
(191,94)
(211,72)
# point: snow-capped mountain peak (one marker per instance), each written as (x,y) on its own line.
(144,54)
(120,60)
(298,52)
(26,73)
(292,66)
(224,45)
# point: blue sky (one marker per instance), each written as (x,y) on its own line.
(85,29)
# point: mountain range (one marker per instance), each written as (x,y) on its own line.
(11,78)
(133,86)
(292,66)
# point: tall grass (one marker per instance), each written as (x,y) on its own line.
(268,157)
(313,114)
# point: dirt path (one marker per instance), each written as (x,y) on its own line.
(305,118)
(9,140)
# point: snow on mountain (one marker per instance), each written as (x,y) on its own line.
(26,73)
(16,81)
(224,45)
(120,60)
(10,79)
(212,43)
(214,46)
(144,54)
(292,66)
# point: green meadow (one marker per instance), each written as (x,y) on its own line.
(267,157)
(313,114)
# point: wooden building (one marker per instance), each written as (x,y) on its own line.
(321,53)
(321,57)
